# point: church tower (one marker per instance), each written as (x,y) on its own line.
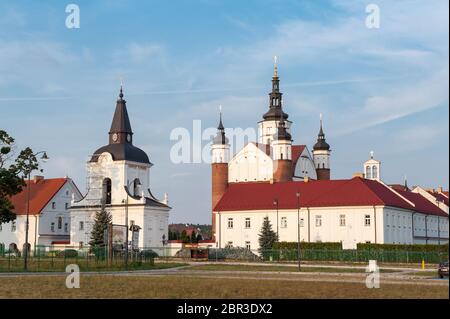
(118,176)
(372,168)
(219,166)
(321,155)
(269,125)
(282,153)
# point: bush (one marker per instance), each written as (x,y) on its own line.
(68,253)
(409,248)
(309,246)
(148,254)
(235,253)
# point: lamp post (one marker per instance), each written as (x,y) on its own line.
(44,158)
(298,229)
(275,202)
(127,190)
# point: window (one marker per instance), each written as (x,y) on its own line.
(67,206)
(81,226)
(66,227)
(136,185)
(283,222)
(368,172)
(374,172)
(52,227)
(341,220)
(13,226)
(59,222)
(302,222)
(367,220)
(67,193)
(107,191)
(247,245)
(229,244)
(1,227)
(230,223)
(318,220)
(53,205)
(247,223)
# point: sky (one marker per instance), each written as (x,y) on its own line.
(383,89)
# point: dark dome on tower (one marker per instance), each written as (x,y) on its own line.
(120,144)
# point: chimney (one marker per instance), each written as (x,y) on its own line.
(38,178)
(358,174)
(306,179)
(440,189)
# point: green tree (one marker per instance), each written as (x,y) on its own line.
(12,175)
(267,237)
(184,237)
(101,222)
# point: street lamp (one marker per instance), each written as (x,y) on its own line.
(44,158)
(298,229)
(275,202)
(127,190)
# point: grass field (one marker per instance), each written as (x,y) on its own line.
(276,268)
(106,286)
(59,265)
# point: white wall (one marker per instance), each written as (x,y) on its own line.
(354,231)
(40,231)
(249,165)
(266,130)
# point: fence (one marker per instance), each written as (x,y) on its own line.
(45,258)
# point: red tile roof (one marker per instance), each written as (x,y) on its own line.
(421,204)
(325,193)
(442,197)
(41,193)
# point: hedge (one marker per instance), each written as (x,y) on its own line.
(397,247)
(308,246)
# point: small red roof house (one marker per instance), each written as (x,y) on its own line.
(49,218)
(348,211)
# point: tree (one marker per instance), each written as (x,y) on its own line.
(12,176)
(199,238)
(184,237)
(101,222)
(193,237)
(267,237)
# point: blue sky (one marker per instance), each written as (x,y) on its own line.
(380,89)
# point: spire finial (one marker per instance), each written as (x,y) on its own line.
(406,182)
(121,87)
(371,154)
(220,127)
(275,66)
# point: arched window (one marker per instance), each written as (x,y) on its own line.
(368,172)
(136,186)
(323,165)
(59,222)
(107,191)
(374,172)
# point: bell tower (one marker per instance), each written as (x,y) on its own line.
(219,168)
(282,153)
(269,125)
(321,155)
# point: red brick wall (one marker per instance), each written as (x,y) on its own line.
(282,171)
(219,186)
(323,174)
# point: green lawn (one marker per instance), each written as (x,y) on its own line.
(59,265)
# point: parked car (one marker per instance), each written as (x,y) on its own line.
(443,269)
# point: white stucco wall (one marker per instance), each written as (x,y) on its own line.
(249,165)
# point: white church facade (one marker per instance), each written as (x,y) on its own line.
(274,179)
(119,182)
